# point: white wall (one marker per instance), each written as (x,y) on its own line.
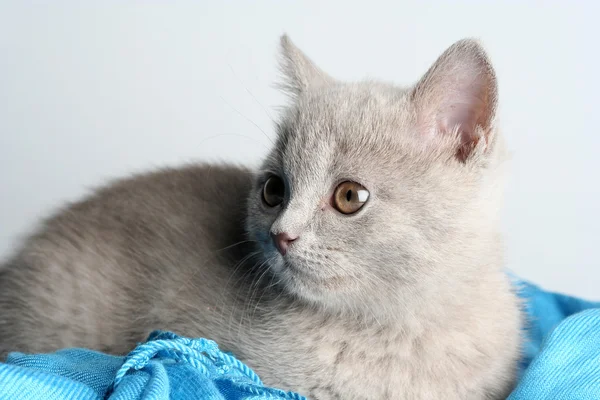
(93,92)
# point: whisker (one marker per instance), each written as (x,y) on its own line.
(237,266)
(237,244)
(250,93)
(234,134)
(264,289)
(247,119)
(249,298)
(237,299)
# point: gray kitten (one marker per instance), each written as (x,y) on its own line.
(362,261)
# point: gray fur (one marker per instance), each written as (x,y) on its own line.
(406,299)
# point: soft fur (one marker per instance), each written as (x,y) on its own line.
(405,299)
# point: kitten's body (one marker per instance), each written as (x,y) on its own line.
(406,299)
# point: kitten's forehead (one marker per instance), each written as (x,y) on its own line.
(356,110)
(342,127)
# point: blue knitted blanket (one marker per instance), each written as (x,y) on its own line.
(561,361)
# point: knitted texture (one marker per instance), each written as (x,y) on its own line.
(167,366)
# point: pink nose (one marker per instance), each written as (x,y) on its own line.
(282,241)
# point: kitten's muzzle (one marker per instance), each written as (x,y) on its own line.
(282,241)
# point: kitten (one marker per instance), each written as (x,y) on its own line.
(362,261)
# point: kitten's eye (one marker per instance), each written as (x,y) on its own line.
(349,197)
(273,191)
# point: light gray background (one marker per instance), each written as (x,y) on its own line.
(93,92)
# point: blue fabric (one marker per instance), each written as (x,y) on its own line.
(561,361)
(562,353)
(167,366)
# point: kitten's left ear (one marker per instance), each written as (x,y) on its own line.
(300,73)
(458,96)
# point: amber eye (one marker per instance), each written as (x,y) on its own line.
(349,197)
(273,191)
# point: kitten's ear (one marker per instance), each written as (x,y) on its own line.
(458,96)
(299,72)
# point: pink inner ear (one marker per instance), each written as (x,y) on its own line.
(461,117)
(463,120)
(464,111)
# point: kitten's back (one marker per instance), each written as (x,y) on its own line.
(110,255)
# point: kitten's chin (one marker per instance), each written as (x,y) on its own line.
(333,294)
(308,285)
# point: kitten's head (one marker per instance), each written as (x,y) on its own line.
(374,193)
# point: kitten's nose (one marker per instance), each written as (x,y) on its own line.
(282,241)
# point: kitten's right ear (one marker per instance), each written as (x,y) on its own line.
(299,72)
